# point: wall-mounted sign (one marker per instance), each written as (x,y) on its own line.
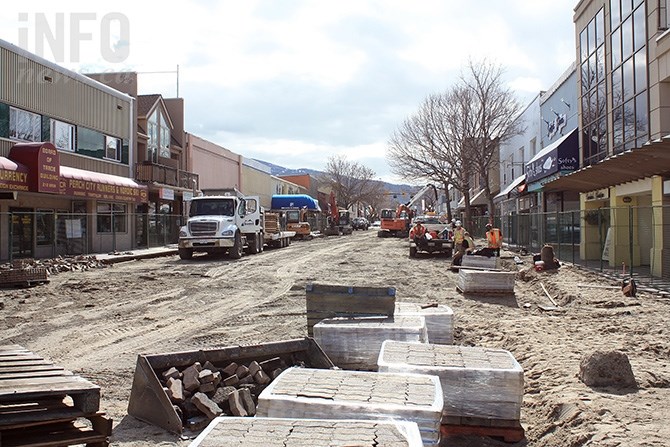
(13,176)
(43,162)
(166,194)
(560,156)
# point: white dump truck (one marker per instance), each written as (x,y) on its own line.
(230,224)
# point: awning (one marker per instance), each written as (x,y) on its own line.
(97,185)
(293,202)
(478,199)
(560,156)
(653,158)
(516,182)
(13,175)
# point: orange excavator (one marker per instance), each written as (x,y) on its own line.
(396,223)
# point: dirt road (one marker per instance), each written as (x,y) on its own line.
(95,323)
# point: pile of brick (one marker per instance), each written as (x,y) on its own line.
(201,392)
(54,265)
(439,320)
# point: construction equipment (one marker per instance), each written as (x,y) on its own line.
(149,402)
(297,209)
(438,238)
(396,223)
(230,223)
(339,220)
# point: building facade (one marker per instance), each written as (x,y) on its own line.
(66,161)
(623,58)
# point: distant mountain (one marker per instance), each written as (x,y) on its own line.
(280,170)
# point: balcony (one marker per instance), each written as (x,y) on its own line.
(149,172)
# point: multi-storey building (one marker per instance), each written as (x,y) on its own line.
(623,59)
(66,161)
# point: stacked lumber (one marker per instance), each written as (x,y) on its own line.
(337,394)
(439,320)
(485,262)
(42,404)
(354,343)
(485,282)
(331,301)
(477,382)
(280,432)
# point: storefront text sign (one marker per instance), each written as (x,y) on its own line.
(102,191)
(48,172)
(14,180)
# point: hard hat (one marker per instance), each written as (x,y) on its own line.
(458,223)
(488,226)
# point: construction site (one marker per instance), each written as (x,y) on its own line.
(343,340)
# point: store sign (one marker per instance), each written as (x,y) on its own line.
(14,180)
(166,194)
(102,191)
(43,163)
(564,157)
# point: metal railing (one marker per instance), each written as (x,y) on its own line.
(626,240)
(148,171)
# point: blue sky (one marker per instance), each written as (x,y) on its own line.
(295,81)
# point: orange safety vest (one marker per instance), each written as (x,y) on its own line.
(494,238)
(419,231)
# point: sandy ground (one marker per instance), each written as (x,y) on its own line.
(95,323)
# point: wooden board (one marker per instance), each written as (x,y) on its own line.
(330,301)
(508,434)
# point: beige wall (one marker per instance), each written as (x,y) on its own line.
(217,167)
(257,183)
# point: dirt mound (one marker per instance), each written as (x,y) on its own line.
(607,369)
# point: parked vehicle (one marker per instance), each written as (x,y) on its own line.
(230,224)
(438,239)
(396,223)
(376,224)
(360,223)
(297,208)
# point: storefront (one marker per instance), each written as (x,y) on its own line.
(50,210)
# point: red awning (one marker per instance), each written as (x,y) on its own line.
(9,165)
(13,175)
(97,185)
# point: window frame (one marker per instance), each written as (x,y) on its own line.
(53,126)
(37,126)
(117,156)
(111,218)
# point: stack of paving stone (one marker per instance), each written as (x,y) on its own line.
(477,382)
(354,343)
(316,394)
(486,282)
(279,432)
(484,262)
(439,320)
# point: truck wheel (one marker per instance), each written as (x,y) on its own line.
(252,244)
(185,253)
(412,252)
(261,245)
(235,252)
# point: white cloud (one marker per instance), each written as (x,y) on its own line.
(297,80)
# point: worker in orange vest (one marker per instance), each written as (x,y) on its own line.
(494,238)
(459,235)
(418,232)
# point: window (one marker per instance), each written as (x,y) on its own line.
(44,225)
(112,148)
(62,135)
(111,216)
(24,126)
(158,130)
(90,142)
(629,74)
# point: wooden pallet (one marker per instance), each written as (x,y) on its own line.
(42,404)
(508,430)
(23,277)
(487,293)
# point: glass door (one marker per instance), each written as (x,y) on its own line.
(23,222)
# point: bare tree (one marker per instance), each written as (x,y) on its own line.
(432,144)
(495,109)
(351,181)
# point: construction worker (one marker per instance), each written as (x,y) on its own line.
(419,231)
(494,239)
(459,235)
(465,247)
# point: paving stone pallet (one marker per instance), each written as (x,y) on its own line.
(439,320)
(477,382)
(354,343)
(329,301)
(485,281)
(42,404)
(280,432)
(321,394)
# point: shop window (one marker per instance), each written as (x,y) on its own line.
(112,148)
(24,126)
(90,142)
(62,135)
(111,216)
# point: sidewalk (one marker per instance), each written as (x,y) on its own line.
(142,253)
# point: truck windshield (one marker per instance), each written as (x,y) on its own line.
(212,207)
(293,216)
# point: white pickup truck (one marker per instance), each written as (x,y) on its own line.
(230,223)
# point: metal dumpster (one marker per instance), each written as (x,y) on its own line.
(149,401)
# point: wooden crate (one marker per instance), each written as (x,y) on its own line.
(42,404)
(330,301)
